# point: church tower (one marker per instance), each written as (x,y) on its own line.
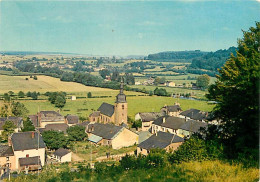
(121,107)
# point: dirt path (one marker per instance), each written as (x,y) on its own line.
(76,158)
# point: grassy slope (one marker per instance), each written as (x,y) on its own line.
(216,171)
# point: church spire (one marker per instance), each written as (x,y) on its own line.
(121,86)
(121,97)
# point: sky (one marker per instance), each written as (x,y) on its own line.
(123,28)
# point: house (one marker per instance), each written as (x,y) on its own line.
(43,118)
(73,97)
(190,127)
(84,124)
(143,135)
(18,122)
(94,117)
(160,140)
(147,118)
(194,114)
(111,135)
(71,120)
(169,84)
(169,124)
(109,113)
(62,155)
(61,127)
(29,150)
(7,159)
(173,110)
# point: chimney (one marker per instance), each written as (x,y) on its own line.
(163,120)
(32,134)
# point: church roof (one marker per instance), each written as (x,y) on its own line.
(106,109)
(121,97)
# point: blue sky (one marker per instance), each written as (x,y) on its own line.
(124,27)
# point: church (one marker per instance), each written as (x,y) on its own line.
(108,113)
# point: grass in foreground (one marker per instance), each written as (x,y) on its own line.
(216,171)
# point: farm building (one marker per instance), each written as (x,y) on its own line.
(62,155)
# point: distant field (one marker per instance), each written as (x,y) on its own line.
(83,107)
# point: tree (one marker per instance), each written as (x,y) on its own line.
(203,81)
(60,101)
(11,93)
(34,95)
(8,128)
(21,94)
(137,124)
(28,125)
(115,76)
(55,140)
(35,77)
(89,94)
(76,133)
(104,72)
(29,94)
(7,97)
(19,109)
(236,91)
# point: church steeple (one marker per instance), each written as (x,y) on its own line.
(121,97)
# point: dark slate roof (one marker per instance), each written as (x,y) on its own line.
(26,141)
(72,119)
(174,108)
(161,140)
(173,122)
(95,114)
(193,126)
(195,114)
(149,116)
(16,120)
(170,122)
(62,127)
(50,116)
(27,161)
(85,123)
(106,109)
(107,131)
(34,119)
(6,150)
(61,152)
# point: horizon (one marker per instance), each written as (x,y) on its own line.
(124,28)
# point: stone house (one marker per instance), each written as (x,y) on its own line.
(194,114)
(111,135)
(173,110)
(62,155)
(95,116)
(18,122)
(160,140)
(169,124)
(29,150)
(71,120)
(7,159)
(147,119)
(41,119)
(61,127)
(169,84)
(190,127)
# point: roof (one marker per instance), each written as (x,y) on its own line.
(16,120)
(50,116)
(95,114)
(61,152)
(174,108)
(85,123)
(26,141)
(34,119)
(170,122)
(6,150)
(149,116)
(143,135)
(193,126)
(121,97)
(27,161)
(161,140)
(62,127)
(195,114)
(106,109)
(107,131)
(94,138)
(72,119)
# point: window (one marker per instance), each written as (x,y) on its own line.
(7,158)
(27,155)
(123,106)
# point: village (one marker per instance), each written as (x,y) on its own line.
(107,126)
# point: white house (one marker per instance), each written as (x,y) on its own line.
(29,150)
(62,155)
